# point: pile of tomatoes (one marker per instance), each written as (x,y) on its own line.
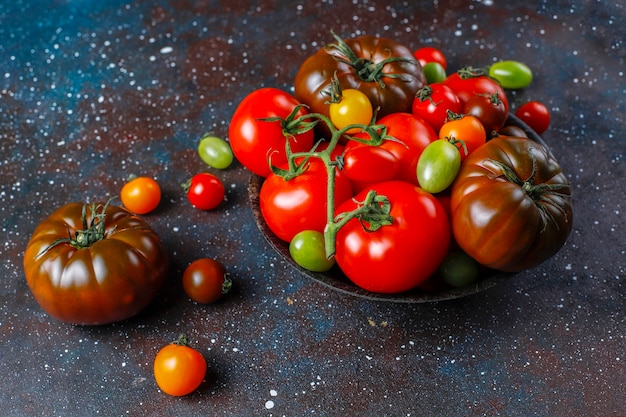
(399,174)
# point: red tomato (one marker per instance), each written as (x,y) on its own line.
(432,103)
(396,257)
(536,115)
(467,129)
(412,135)
(428,54)
(468,82)
(289,207)
(369,164)
(254,140)
(205,191)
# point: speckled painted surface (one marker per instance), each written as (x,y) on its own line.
(93,91)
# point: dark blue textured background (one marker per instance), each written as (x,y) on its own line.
(94,91)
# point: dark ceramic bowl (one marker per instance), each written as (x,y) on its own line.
(335,278)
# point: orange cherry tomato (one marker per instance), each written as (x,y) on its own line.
(466,133)
(179,369)
(141,195)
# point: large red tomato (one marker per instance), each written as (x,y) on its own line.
(511,204)
(254,140)
(386,71)
(291,206)
(399,256)
(94,264)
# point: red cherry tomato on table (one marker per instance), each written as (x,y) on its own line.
(535,114)
(205,191)
(429,54)
(179,369)
(399,256)
(254,140)
(205,280)
(141,195)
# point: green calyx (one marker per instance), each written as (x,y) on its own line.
(93,228)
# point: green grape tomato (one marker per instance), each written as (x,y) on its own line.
(215,152)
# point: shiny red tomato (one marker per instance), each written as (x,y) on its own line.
(511,205)
(399,256)
(433,102)
(254,140)
(178,368)
(369,164)
(535,114)
(205,280)
(205,191)
(412,134)
(427,54)
(291,206)
(94,264)
(468,82)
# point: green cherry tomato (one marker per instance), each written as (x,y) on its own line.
(434,72)
(438,166)
(308,250)
(459,269)
(511,74)
(215,152)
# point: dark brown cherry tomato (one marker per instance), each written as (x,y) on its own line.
(94,264)
(511,205)
(386,71)
(489,109)
(205,280)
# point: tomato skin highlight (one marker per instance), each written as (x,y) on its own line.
(179,369)
(109,281)
(254,140)
(507,225)
(141,195)
(396,257)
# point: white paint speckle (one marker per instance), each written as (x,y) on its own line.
(269,404)
(167,50)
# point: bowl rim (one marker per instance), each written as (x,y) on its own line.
(336,280)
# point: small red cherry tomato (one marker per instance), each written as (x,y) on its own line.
(205,191)
(536,115)
(429,54)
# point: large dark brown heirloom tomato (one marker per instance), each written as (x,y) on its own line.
(94,264)
(511,204)
(386,71)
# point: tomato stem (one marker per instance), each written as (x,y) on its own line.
(93,228)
